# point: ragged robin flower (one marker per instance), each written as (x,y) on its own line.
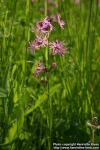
(77,2)
(37,43)
(57,48)
(45,25)
(60,21)
(40,68)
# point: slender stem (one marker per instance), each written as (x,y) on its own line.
(88,30)
(93,135)
(86,55)
(49,117)
(96,12)
(45,8)
(49,99)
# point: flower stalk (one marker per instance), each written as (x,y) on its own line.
(43,31)
(94,126)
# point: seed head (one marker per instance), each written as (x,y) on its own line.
(94,123)
(54,65)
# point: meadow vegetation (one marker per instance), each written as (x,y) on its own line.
(54,102)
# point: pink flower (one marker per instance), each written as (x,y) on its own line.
(39,69)
(99,3)
(44,26)
(57,48)
(60,22)
(37,43)
(77,2)
(50,1)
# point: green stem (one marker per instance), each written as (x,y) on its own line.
(45,8)
(49,117)
(86,55)
(93,135)
(88,30)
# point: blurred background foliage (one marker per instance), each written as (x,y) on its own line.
(25,115)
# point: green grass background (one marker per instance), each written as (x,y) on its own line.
(28,119)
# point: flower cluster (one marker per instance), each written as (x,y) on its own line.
(42,31)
